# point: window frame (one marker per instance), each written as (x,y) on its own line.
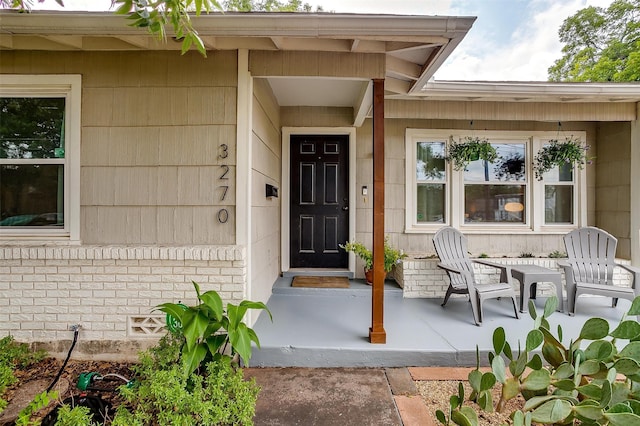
(455,184)
(69,87)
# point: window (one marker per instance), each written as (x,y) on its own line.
(503,194)
(39,156)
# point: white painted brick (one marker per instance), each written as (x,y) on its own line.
(21,301)
(32,325)
(56,309)
(44,335)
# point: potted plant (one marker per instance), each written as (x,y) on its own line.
(392,256)
(471,149)
(569,152)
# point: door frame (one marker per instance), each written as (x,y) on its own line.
(285,205)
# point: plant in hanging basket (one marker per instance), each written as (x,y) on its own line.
(470,149)
(570,151)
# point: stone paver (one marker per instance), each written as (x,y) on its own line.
(413,411)
(400,381)
(442,373)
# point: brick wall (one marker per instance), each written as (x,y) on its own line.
(423,278)
(110,291)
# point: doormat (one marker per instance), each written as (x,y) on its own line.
(320,282)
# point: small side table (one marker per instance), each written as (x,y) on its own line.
(529,276)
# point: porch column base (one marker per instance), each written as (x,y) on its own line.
(377,336)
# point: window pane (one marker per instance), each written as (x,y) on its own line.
(494,203)
(430,161)
(32,195)
(558,203)
(430,203)
(31,127)
(509,166)
(563,173)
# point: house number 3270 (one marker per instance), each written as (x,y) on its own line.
(223,214)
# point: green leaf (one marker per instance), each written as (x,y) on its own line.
(197,288)
(627,366)
(186,43)
(498,368)
(590,391)
(213,301)
(499,340)
(564,371)
(550,306)
(601,350)
(623,419)
(635,307)
(485,401)
(256,305)
(521,364)
(626,330)
(487,381)
(565,384)
(532,310)
(553,411)
(537,401)
(594,329)
(441,417)
(589,367)
(241,342)
(475,378)
(537,380)
(216,342)
(173,309)
(588,412)
(193,327)
(620,408)
(606,394)
(534,339)
(535,363)
(193,357)
(632,350)
(465,417)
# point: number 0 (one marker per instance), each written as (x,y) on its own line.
(223,215)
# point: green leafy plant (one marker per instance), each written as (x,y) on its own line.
(13,355)
(556,154)
(392,256)
(526,255)
(76,416)
(557,254)
(470,149)
(209,330)
(39,402)
(483,256)
(167,394)
(563,384)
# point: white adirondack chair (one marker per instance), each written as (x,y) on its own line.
(451,247)
(589,268)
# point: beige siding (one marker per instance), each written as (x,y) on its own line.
(313,64)
(152,126)
(265,212)
(317,116)
(613,190)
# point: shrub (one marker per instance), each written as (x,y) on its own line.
(167,394)
(571,384)
(13,355)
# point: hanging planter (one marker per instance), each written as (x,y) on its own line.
(470,149)
(556,154)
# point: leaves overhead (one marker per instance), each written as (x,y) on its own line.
(600,45)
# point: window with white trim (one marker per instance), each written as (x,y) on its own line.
(39,157)
(501,195)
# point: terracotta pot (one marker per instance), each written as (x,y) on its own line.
(368,274)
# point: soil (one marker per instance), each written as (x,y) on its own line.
(38,377)
(436,394)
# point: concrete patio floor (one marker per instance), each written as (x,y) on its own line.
(329,327)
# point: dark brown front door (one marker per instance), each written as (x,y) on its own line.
(319,200)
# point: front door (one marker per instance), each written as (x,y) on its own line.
(319,200)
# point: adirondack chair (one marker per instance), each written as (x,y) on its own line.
(451,247)
(589,269)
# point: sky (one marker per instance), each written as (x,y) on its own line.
(511,40)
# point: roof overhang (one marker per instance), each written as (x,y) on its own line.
(526,92)
(414,46)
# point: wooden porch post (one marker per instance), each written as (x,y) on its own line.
(376,332)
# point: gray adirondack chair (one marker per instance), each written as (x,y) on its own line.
(451,247)
(589,268)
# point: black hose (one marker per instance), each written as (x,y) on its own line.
(64,364)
